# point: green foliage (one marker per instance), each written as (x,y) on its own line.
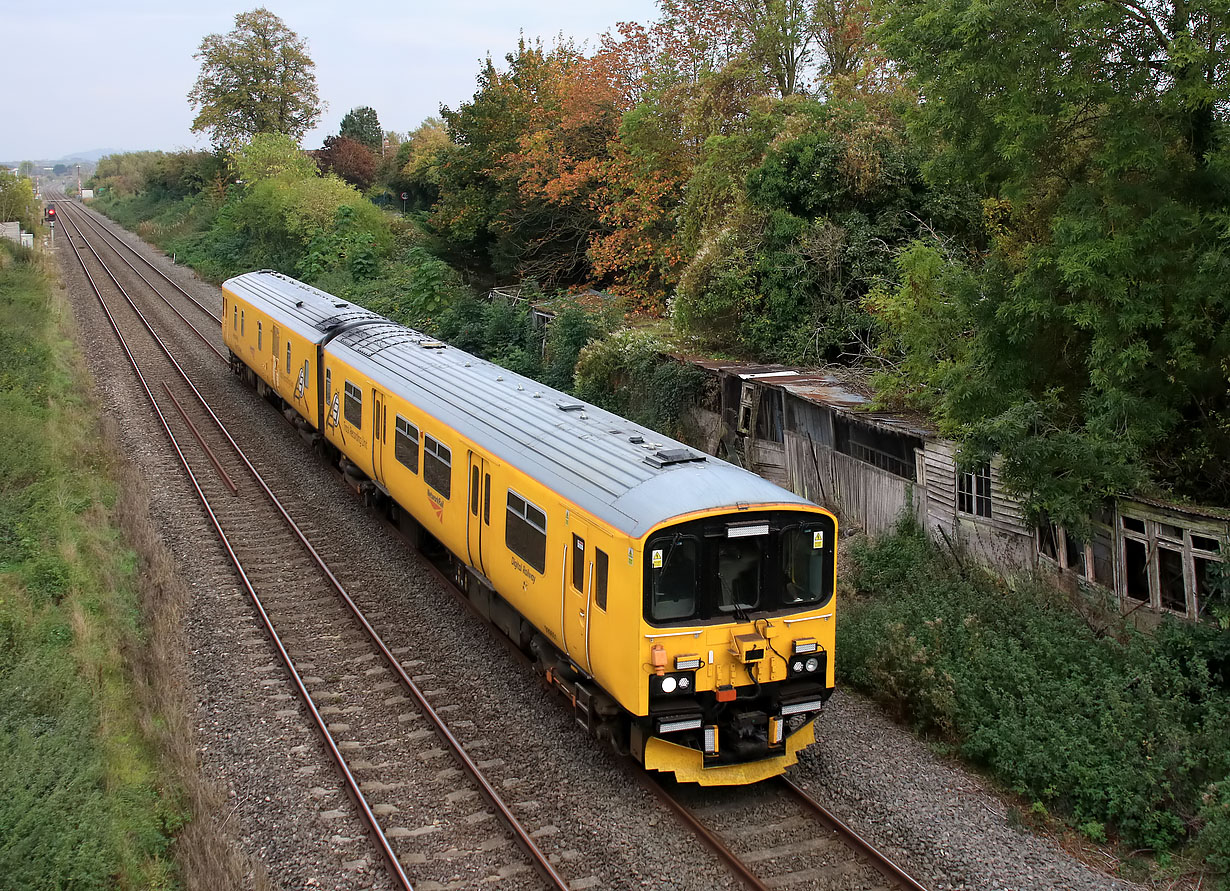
(569,332)
(254,79)
(363,126)
(125,174)
(496,330)
(807,233)
(271,156)
(79,796)
(1098,135)
(1124,732)
(17,201)
(629,374)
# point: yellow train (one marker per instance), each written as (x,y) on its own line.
(685,606)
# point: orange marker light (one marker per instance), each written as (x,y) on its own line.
(658,657)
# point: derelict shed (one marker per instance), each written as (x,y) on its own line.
(810,431)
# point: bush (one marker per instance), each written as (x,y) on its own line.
(1124,732)
(629,374)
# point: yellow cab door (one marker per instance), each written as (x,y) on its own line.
(478,515)
(578,572)
(379,433)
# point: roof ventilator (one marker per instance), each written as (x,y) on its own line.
(667,457)
(570,406)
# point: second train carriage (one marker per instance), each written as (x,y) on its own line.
(684,605)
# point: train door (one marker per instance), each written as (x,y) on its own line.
(277,341)
(578,591)
(379,431)
(478,522)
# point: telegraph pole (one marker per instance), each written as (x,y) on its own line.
(78,182)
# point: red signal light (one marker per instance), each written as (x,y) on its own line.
(51,211)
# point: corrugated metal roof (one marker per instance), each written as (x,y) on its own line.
(823,387)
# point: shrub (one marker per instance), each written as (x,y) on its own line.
(1124,732)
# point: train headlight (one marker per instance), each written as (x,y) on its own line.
(808,667)
(812,664)
(675,683)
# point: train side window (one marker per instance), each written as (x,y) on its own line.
(260,331)
(354,406)
(288,355)
(487,499)
(406,444)
(328,384)
(578,563)
(235,319)
(474,491)
(241,323)
(525,531)
(437,465)
(601,562)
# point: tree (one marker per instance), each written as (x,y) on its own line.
(17,201)
(257,78)
(362,125)
(349,159)
(1093,349)
(272,156)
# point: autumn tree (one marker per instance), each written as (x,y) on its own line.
(363,126)
(349,159)
(257,78)
(416,163)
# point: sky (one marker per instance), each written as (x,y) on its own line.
(116,74)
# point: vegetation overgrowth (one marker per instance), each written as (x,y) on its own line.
(1124,733)
(82,800)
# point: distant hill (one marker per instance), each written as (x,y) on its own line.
(90,157)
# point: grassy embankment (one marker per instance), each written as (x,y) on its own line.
(97,764)
(1123,734)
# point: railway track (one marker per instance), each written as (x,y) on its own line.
(389,741)
(774,835)
(771,836)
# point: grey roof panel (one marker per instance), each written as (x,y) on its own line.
(310,311)
(627,475)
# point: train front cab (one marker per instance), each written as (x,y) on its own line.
(737,642)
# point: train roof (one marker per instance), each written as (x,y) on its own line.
(311,312)
(626,475)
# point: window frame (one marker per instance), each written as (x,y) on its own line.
(431,453)
(399,436)
(352,398)
(520,520)
(972,501)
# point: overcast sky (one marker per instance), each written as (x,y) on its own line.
(115,75)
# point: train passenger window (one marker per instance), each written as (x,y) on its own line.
(739,562)
(673,563)
(806,576)
(259,333)
(354,406)
(600,568)
(437,465)
(406,444)
(525,531)
(328,384)
(578,563)
(487,499)
(288,355)
(235,319)
(474,491)
(241,325)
